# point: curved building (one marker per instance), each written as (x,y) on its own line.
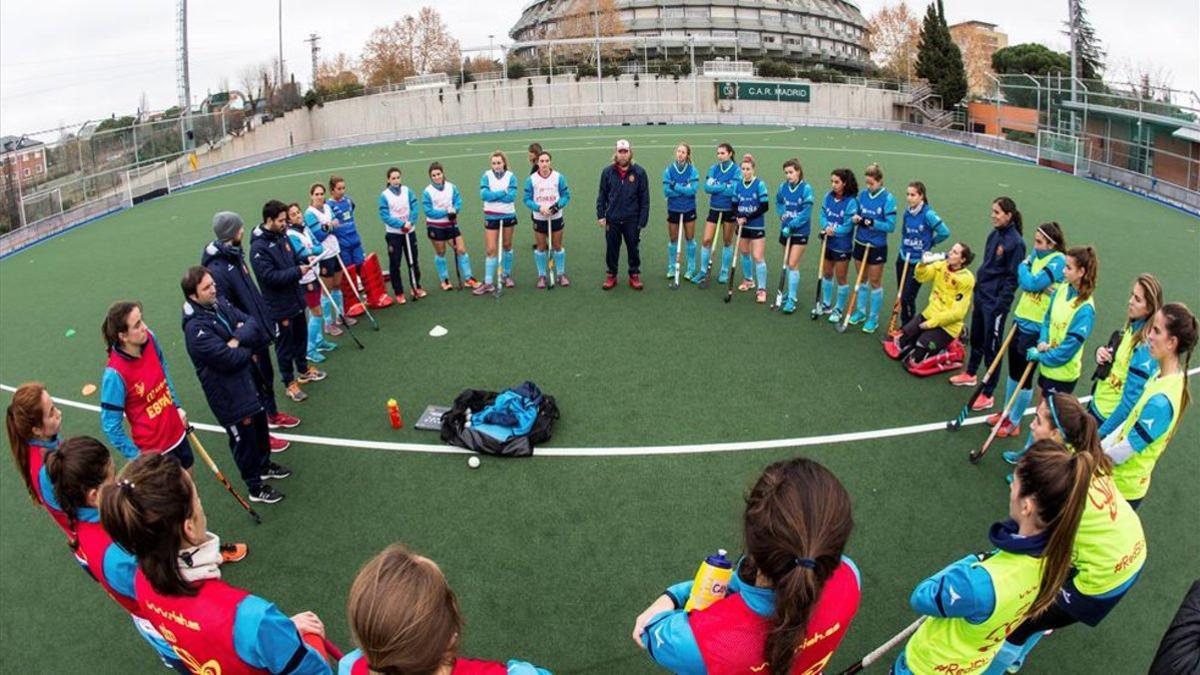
(820,33)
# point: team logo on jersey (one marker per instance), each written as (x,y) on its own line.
(1000,250)
(631,178)
(139,388)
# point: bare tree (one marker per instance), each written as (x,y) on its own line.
(251,87)
(143,105)
(409,46)
(580,21)
(336,73)
(977,53)
(893,36)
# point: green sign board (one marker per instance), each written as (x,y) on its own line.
(764,91)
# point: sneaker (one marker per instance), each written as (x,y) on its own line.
(471,282)
(857,317)
(446,285)
(346,320)
(295,393)
(835,316)
(563,280)
(691,275)
(964,380)
(483,289)
(265,494)
(233,552)
(1009,430)
(984,402)
(670,271)
(278,444)
(541,282)
(333,329)
(723,277)
(420,292)
(610,281)
(509,283)
(698,278)
(311,375)
(326,346)
(282,421)
(870,326)
(315,356)
(401,299)
(275,472)
(1012,456)
(760,297)
(635,282)
(746,285)
(817,310)
(993,419)
(789,306)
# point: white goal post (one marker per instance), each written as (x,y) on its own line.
(1065,152)
(146,182)
(41,205)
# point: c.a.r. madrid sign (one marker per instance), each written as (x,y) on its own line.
(764,91)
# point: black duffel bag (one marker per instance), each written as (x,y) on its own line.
(455,432)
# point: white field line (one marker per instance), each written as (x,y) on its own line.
(733,446)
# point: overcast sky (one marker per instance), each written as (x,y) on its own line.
(64,62)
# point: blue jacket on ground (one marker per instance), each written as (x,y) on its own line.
(277,267)
(224,262)
(920,231)
(226,374)
(512,413)
(1029,282)
(752,200)
(345,228)
(719,183)
(624,200)
(838,213)
(878,213)
(112,402)
(679,186)
(794,204)
(996,278)
(1077,332)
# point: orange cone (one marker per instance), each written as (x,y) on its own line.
(350,304)
(372,277)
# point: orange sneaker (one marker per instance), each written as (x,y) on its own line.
(420,293)
(964,380)
(401,299)
(233,552)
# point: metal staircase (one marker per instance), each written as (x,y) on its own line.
(929,105)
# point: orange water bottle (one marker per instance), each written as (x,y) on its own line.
(394,413)
(711,582)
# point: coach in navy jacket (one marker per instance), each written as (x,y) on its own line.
(279,268)
(623,209)
(221,341)
(223,259)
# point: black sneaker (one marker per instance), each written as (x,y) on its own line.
(274,471)
(265,494)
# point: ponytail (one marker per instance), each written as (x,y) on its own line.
(1008,206)
(1053,231)
(23,414)
(1058,482)
(76,468)
(145,511)
(1079,429)
(1153,292)
(1085,257)
(796,524)
(1181,325)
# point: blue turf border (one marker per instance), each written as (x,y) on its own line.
(910,134)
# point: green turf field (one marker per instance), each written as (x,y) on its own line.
(553,557)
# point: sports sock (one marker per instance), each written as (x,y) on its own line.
(339,301)
(691,253)
(747,267)
(726,258)
(327,308)
(506,261)
(876,303)
(439,261)
(827,291)
(314,332)
(560,261)
(793,280)
(464,264)
(843,292)
(760,273)
(863,299)
(672,252)
(705,257)
(1021,404)
(489,270)
(539,259)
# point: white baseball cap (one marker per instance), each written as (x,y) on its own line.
(622,144)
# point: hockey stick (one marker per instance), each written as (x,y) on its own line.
(733,265)
(816,310)
(884,648)
(199,447)
(977,455)
(353,283)
(674,285)
(338,311)
(412,273)
(787,256)
(841,327)
(955,423)
(712,253)
(891,331)
(550,270)
(499,290)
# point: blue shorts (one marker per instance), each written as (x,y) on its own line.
(556,225)
(836,256)
(752,233)
(727,217)
(447,233)
(674,216)
(352,254)
(795,240)
(182,453)
(878,254)
(510,221)
(329,267)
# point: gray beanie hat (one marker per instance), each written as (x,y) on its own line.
(226,225)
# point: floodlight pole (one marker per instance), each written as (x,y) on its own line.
(184,82)
(281,77)
(1073,17)
(599,68)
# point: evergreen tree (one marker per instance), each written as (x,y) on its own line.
(1091,54)
(939,60)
